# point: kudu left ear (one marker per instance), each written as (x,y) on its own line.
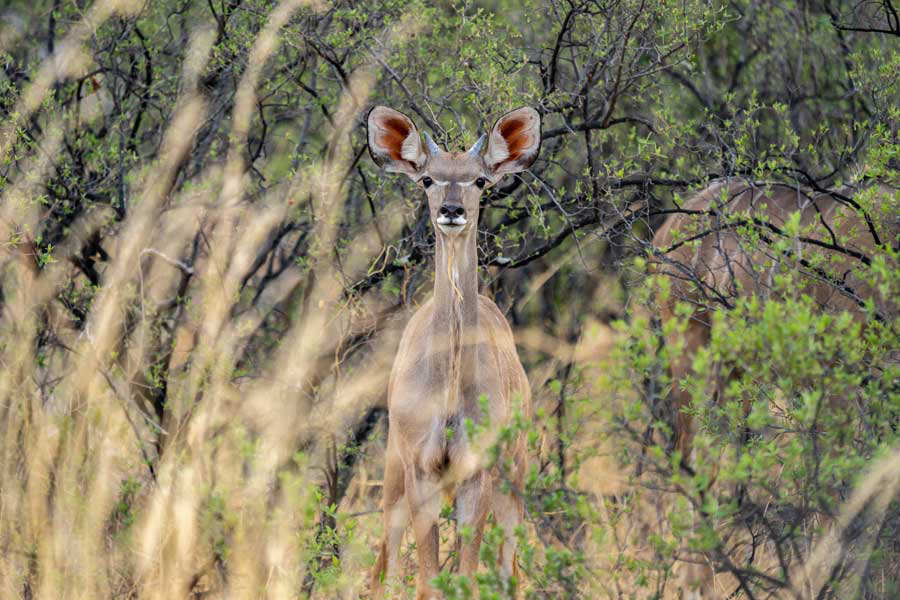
(514,142)
(394,141)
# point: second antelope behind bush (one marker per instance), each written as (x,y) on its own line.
(456,349)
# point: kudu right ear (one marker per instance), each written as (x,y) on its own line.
(514,142)
(394,141)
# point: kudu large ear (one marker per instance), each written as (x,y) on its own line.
(514,142)
(394,141)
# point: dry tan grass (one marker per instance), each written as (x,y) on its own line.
(66,454)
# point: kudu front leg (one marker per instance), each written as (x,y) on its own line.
(424,496)
(473,500)
(396,520)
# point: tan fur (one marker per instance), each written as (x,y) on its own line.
(456,348)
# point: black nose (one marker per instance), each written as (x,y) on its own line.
(452,210)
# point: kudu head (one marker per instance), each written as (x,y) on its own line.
(454,181)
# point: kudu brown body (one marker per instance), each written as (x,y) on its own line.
(710,264)
(456,362)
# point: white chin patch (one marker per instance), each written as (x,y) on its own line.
(454,225)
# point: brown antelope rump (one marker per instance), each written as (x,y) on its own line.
(710,264)
(456,349)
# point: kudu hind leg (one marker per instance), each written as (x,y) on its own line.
(396,520)
(692,580)
(695,336)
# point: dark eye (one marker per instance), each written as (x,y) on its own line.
(426,181)
(481,182)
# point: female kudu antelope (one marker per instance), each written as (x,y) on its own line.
(710,264)
(722,264)
(456,349)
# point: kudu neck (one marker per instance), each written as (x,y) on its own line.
(455,322)
(456,274)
